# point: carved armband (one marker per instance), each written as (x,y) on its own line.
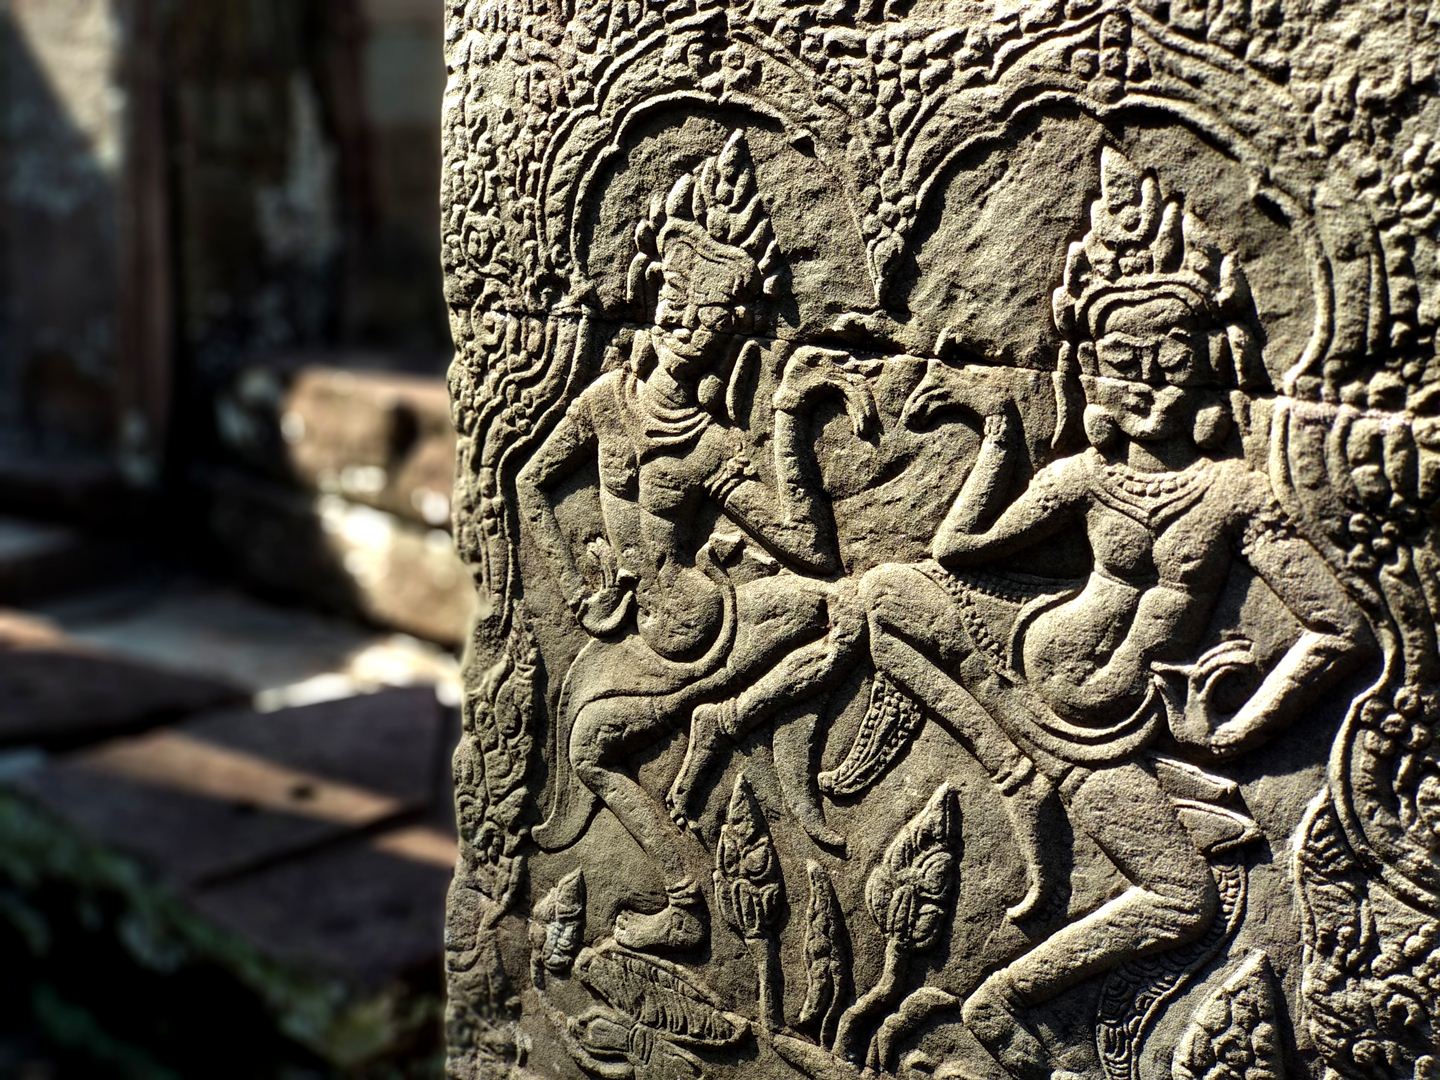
(1047,500)
(1267,525)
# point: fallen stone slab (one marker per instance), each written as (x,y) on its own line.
(56,691)
(343,555)
(381,438)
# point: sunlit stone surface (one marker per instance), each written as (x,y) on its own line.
(952,489)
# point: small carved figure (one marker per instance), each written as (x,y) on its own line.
(1159,327)
(674,635)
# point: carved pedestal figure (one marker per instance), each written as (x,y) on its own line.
(953,492)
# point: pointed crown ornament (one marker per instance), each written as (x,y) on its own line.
(1143,247)
(708,243)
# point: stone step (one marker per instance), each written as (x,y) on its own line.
(58,691)
(281,655)
(217,793)
(366,909)
(40,559)
(279,873)
(71,488)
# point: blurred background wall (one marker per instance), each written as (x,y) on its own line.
(225,466)
(206,205)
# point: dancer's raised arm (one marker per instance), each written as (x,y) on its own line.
(1045,504)
(793,519)
(567,448)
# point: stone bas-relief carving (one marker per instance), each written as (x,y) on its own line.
(953,492)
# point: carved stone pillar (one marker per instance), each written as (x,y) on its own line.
(952,489)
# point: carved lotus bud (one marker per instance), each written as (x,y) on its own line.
(911,892)
(827,957)
(748,887)
(1234,1033)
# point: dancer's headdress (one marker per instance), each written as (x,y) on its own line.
(709,239)
(1142,247)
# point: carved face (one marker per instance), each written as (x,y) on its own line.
(691,334)
(685,355)
(699,302)
(1148,360)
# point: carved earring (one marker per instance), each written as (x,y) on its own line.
(1212,425)
(1068,395)
(1100,426)
(711,391)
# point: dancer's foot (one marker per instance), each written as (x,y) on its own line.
(1024,798)
(708,723)
(677,927)
(990,1014)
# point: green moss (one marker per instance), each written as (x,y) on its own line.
(53,881)
(71,1025)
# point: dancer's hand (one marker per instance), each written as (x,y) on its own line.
(1192,694)
(602,612)
(1000,429)
(971,389)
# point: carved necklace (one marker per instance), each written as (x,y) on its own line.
(1147,497)
(656,425)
